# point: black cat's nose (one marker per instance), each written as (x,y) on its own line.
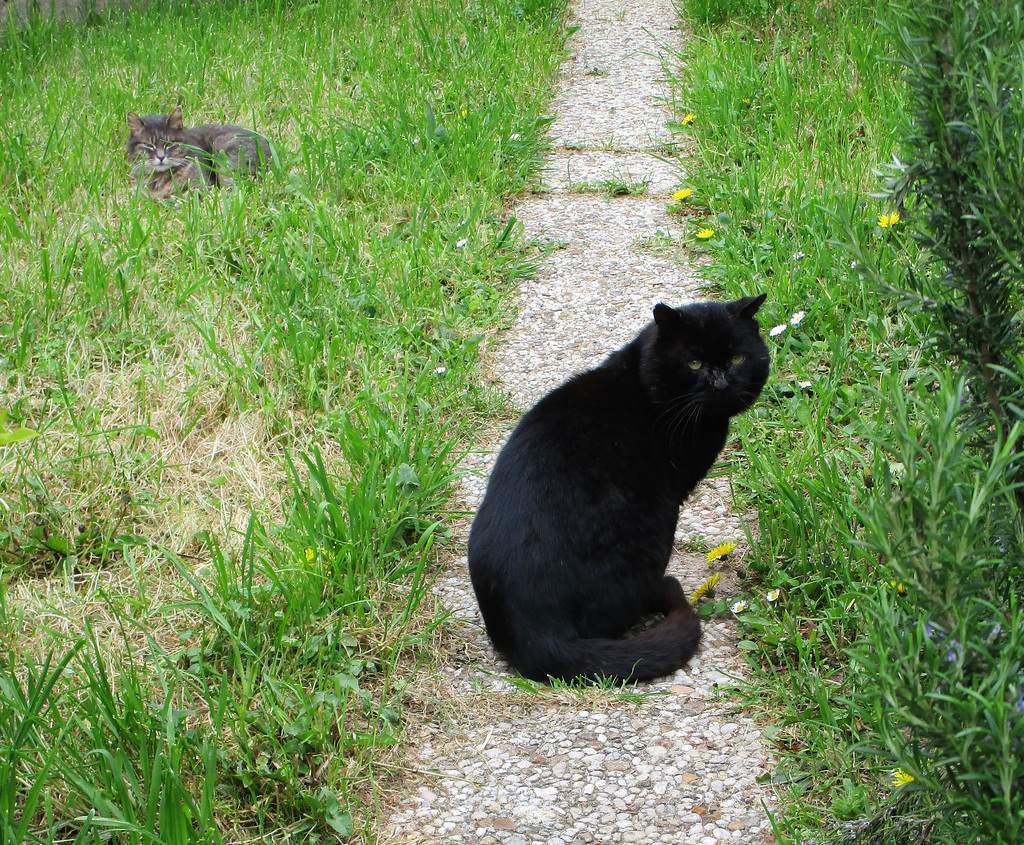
(720,382)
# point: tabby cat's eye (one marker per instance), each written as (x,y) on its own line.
(736,359)
(694,364)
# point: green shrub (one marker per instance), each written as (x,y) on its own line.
(940,673)
(964,176)
(941,667)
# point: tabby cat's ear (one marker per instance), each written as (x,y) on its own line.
(174,119)
(134,123)
(665,316)
(747,307)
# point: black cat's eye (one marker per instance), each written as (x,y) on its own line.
(693,364)
(736,359)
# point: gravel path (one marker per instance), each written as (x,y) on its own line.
(678,762)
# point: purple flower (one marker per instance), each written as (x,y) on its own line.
(956,651)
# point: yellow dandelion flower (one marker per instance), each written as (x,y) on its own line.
(899,587)
(704,234)
(682,194)
(690,118)
(464,113)
(901,778)
(888,221)
(706,588)
(718,552)
(310,555)
(746,101)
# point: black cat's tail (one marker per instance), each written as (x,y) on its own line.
(656,652)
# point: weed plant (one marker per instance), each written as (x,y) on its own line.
(230,424)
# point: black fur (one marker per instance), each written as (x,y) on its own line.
(569,548)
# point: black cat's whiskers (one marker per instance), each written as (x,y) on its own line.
(688,419)
(682,414)
(670,411)
(747,396)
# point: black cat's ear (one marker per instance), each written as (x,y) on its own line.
(665,316)
(747,307)
(134,123)
(174,119)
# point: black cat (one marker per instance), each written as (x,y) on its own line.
(569,548)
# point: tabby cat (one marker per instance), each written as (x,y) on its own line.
(172,160)
(569,548)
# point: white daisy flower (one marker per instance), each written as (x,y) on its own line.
(772,596)
(803,385)
(515,136)
(460,244)
(440,370)
(797,318)
(739,606)
(775,331)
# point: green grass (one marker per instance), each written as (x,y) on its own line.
(615,186)
(214,553)
(794,114)
(888,524)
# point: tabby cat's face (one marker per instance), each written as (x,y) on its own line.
(709,353)
(153,141)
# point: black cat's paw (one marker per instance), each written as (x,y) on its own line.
(672,595)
